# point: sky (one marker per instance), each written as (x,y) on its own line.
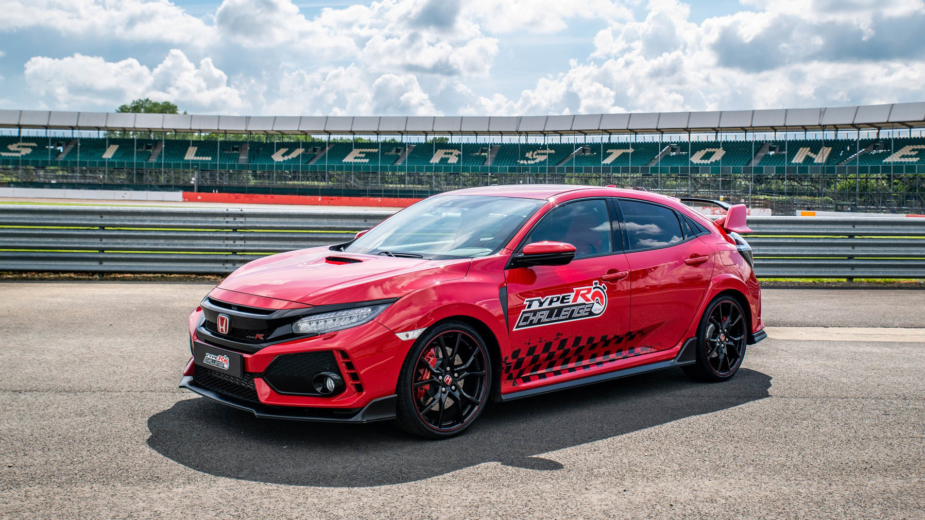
(460,57)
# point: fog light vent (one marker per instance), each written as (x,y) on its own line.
(305,374)
(327,383)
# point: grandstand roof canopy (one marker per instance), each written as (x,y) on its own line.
(842,118)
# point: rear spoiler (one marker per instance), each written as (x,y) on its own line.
(735,219)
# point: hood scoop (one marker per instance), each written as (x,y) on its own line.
(341,260)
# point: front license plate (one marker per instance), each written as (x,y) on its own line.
(217,359)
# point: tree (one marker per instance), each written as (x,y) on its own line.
(146,106)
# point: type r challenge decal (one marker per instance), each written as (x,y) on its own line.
(580,304)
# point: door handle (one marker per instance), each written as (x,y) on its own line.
(696,259)
(613,276)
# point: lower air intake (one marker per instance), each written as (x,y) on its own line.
(242,388)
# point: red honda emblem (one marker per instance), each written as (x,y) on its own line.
(447,379)
(222,323)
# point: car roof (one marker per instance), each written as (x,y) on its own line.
(558,192)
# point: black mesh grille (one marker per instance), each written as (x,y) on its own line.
(230,386)
(293,373)
(242,308)
(242,335)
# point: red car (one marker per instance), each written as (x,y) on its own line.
(487,293)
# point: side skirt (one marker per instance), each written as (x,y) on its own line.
(758,336)
(686,356)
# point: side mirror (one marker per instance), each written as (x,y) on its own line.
(544,253)
(361,233)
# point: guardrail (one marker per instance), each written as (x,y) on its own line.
(218,241)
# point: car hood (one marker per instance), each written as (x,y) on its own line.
(320,276)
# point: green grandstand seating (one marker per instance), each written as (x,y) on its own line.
(129,150)
(284,153)
(892,152)
(187,154)
(640,155)
(700,153)
(362,156)
(14,149)
(447,154)
(512,155)
(809,152)
(577,154)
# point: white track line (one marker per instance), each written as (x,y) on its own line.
(847,334)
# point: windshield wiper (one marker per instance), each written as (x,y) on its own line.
(400,255)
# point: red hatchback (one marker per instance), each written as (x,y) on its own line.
(488,293)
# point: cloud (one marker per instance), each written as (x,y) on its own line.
(400,95)
(438,14)
(350,91)
(272,24)
(80,81)
(428,57)
(132,20)
(541,16)
(788,54)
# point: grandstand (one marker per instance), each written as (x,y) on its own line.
(434,155)
(820,157)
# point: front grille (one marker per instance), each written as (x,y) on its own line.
(242,308)
(242,335)
(238,388)
(293,373)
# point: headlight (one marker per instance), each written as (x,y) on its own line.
(337,320)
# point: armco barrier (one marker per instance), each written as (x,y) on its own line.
(217,241)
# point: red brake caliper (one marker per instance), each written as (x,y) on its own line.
(423,374)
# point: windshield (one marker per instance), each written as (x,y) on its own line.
(448,226)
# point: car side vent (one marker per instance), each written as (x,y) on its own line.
(342,260)
(353,377)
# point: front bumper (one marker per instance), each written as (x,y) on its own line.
(377,410)
(369,358)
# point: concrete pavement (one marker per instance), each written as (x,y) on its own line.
(92,426)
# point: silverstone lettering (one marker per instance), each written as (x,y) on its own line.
(582,303)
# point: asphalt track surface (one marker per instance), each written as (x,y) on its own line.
(93,426)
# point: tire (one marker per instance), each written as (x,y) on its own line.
(436,403)
(722,339)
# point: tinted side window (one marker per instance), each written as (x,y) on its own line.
(649,225)
(686,226)
(584,224)
(695,227)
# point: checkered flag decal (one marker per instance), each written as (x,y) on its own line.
(569,355)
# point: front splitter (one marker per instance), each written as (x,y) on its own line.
(381,409)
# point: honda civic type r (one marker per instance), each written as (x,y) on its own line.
(493,293)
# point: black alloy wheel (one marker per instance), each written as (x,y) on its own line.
(721,341)
(445,382)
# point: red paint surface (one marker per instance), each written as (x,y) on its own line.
(736,219)
(297,200)
(653,310)
(545,247)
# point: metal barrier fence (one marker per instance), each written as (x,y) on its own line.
(862,189)
(217,241)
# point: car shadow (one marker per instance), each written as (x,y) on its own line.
(221,441)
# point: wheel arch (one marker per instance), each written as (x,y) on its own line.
(491,342)
(743,302)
